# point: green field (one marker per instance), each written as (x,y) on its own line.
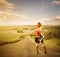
(53,43)
(10,34)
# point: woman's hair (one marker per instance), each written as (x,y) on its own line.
(38,24)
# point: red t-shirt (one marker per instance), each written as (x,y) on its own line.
(37,32)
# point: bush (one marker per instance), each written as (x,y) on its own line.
(19,31)
(52,34)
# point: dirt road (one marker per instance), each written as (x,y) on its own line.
(24,48)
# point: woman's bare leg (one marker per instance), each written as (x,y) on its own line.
(37,47)
(44,48)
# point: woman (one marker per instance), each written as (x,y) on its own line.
(39,37)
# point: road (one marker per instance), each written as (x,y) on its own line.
(24,48)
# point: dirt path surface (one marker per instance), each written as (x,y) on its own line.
(24,48)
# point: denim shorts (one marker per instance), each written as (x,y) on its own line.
(39,40)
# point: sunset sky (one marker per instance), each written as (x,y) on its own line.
(24,12)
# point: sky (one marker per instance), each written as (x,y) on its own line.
(29,12)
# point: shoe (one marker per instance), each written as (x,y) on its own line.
(37,52)
(45,52)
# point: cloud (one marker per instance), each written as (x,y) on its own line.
(56,18)
(10,15)
(45,19)
(57,2)
(6,5)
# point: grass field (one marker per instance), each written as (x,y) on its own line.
(15,33)
(53,43)
(10,34)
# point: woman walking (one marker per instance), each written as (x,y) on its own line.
(39,38)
